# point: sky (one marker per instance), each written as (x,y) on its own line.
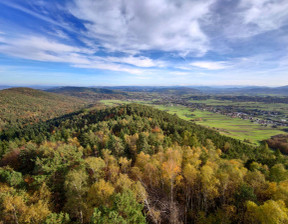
(151,42)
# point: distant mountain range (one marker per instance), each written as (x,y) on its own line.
(156,89)
(87,92)
(236,90)
(251,90)
(70,89)
(4,87)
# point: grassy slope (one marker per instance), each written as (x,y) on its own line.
(233,127)
(25,105)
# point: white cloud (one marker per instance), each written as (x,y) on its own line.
(265,15)
(136,61)
(124,25)
(109,66)
(241,19)
(253,17)
(42,49)
(211,65)
(179,73)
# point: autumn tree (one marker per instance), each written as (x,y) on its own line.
(75,189)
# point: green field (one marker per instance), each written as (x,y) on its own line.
(234,127)
(279,107)
(113,102)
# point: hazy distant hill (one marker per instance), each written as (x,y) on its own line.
(178,90)
(26,105)
(89,92)
(268,90)
(157,89)
(4,87)
(249,90)
(119,92)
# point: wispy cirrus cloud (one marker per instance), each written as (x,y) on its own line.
(140,61)
(42,49)
(36,14)
(109,66)
(211,65)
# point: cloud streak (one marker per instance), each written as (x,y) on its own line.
(42,49)
(211,65)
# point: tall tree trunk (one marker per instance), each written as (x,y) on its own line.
(171,192)
(15,216)
(150,211)
(81,217)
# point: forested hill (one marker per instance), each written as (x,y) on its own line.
(135,164)
(89,93)
(80,123)
(21,106)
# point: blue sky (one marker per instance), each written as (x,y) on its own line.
(151,42)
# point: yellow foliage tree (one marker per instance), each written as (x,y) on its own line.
(99,194)
(271,212)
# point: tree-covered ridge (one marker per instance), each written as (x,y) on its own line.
(136,164)
(91,93)
(21,106)
(139,118)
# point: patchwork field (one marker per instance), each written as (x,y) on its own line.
(234,127)
(279,107)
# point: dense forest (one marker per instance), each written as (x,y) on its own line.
(22,106)
(136,164)
(279,142)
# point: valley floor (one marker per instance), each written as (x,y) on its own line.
(238,128)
